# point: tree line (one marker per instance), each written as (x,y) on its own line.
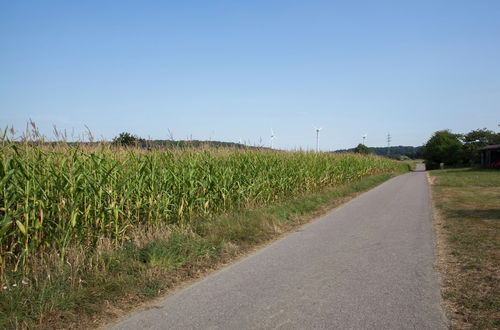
(396,152)
(454,150)
(128,139)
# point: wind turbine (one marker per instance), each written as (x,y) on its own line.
(317,137)
(364,138)
(272,138)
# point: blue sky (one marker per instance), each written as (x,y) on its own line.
(231,70)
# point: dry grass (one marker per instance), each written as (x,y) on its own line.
(467,223)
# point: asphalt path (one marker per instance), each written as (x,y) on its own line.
(366,265)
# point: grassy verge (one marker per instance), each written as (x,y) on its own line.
(93,287)
(467,222)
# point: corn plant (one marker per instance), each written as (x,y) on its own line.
(53,196)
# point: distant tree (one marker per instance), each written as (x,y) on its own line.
(127,139)
(475,140)
(362,149)
(396,156)
(412,152)
(443,147)
(483,136)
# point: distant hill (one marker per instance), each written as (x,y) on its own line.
(409,151)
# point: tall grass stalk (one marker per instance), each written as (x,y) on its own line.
(53,196)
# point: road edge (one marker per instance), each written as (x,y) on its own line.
(440,248)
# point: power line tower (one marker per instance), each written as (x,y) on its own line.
(388,143)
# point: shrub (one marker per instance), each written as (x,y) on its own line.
(443,147)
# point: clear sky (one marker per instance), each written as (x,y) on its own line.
(231,70)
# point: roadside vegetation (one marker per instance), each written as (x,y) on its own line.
(86,228)
(467,224)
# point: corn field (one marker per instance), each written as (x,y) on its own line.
(55,196)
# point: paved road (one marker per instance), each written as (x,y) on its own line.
(366,265)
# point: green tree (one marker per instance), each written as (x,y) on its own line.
(475,140)
(126,139)
(362,149)
(443,147)
(395,156)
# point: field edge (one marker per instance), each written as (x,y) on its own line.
(132,278)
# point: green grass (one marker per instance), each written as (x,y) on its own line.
(468,228)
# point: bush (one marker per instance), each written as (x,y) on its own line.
(443,147)
(362,149)
(127,139)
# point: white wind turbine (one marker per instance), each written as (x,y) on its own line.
(317,137)
(272,138)
(364,138)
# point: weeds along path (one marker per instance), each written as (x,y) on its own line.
(366,265)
